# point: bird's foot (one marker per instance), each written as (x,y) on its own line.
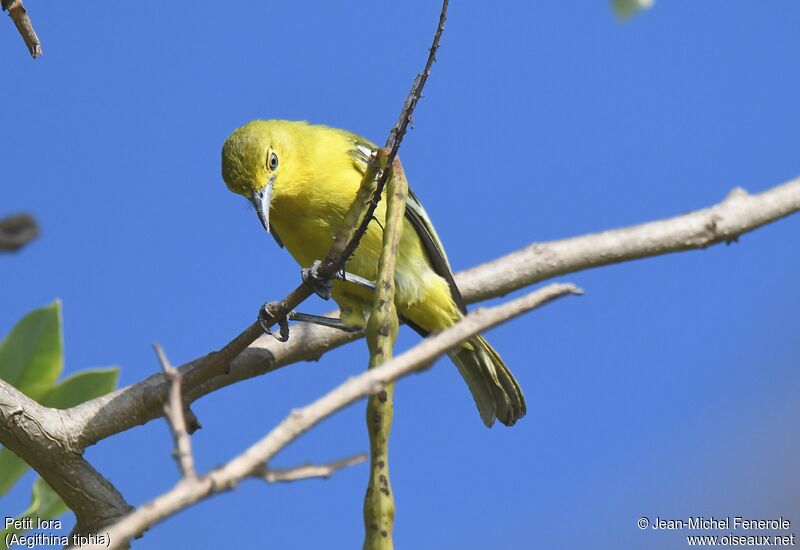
(322,287)
(266,317)
(321,320)
(355,279)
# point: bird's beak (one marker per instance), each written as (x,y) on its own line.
(261,199)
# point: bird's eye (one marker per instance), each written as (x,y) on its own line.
(273,161)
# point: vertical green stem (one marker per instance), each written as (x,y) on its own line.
(381,335)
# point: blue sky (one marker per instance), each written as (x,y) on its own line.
(669,389)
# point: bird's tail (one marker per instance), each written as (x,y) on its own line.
(493,387)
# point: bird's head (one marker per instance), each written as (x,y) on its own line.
(253,158)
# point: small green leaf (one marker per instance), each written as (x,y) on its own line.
(48,504)
(30,360)
(624,9)
(12,468)
(80,387)
(31,354)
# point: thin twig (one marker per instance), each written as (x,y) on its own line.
(18,14)
(335,261)
(16,231)
(307,471)
(301,420)
(396,135)
(218,362)
(173,411)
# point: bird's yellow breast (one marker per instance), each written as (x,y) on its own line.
(312,196)
(309,203)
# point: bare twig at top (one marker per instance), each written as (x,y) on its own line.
(18,14)
(397,133)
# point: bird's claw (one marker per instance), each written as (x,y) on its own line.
(266,317)
(355,279)
(322,287)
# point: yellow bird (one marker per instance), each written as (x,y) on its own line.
(302,178)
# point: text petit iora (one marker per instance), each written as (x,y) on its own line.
(32,523)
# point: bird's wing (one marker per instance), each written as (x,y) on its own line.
(419,219)
(416,215)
